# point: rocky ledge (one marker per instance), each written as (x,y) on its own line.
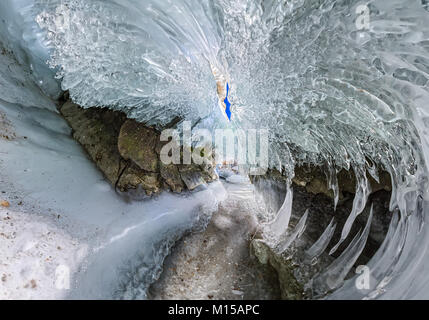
(314,181)
(128,153)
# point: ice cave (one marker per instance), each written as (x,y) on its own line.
(214,149)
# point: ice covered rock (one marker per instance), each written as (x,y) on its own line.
(135,179)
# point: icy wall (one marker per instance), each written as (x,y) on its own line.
(20,34)
(62,211)
(299,68)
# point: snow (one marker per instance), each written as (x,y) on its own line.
(32,251)
(58,198)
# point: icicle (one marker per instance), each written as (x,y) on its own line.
(386,258)
(382,264)
(420,212)
(296,233)
(302,224)
(333,183)
(339,269)
(393,198)
(359,203)
(279,225)
(322,243)
(373,170)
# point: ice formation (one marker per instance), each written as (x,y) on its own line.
(330,91)
(63,212)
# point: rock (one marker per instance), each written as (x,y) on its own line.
(318,185)
(128,152)
(7,131)
(97,130)
(4,204)
(98,138)
(191,176)
(138,143)
(272,189)
(290,288)
(170,174)
(237,179)
(347,181)
(133,178)
(208,172)
(314,180)
(33,284)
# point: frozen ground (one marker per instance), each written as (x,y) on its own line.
(216,263)
(35,257)
(49,182)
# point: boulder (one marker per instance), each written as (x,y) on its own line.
(137,142)
(133,178)
(97,137)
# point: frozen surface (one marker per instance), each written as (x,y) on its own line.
(216,263)
(113,249)
(329,93)
(33,251)
(20,34)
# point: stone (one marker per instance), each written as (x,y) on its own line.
(5,204)
(128,152)
(200,262)
(272,189)
(170,174)
(7,131)
(314,180)
(97,130)
(191,175)
(98,138)
(133,178)
(137,142)
(290,288)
